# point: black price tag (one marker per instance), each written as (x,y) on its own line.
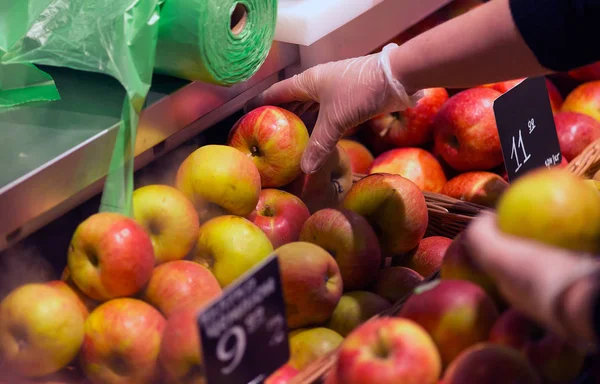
(526,128)
(244,334)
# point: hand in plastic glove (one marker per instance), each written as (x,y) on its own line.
(550,285)
(347,93)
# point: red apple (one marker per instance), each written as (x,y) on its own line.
(575,132)
(503,86)
(360,157)
(414,126)
(394,283)
(110,256)
(283,375)
(483,188)
(280,215)
(465,132)
(490,364)
(394,206)
(416,164)
(590,72)
(427,258)
(349,238)
(179,284)
(556,98)
(388,350)
(584,99)
(122,342)
(327,187)
(472,311)
(275,139)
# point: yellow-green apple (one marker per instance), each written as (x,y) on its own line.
(41,329)
(394,206)
(89,303)
(503,86)
(427,258)
(169,218)
(465,133)
(354,309)
(590,72)
(110,256)
(66,288)
(180,356)
(280,215)
(360,157)
(556,99)
(219,180)
(412,127)
(180,283)
(388,350)
(327,187)
(307,345)
(575,132)
(283,375)
(311,283)
(122,342)
(554,359)
(394,283)
(349,238)
(537,203)
(479,187)
(415,164)
(490,363)
(274,139)
(229,246)
(456,313)
(584,99)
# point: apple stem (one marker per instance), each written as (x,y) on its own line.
(254,150)
(338,186)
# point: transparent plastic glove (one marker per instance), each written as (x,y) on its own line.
(533,277)
(347,93)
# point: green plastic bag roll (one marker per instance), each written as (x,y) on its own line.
(222,42)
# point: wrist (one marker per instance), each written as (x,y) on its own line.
(400,62)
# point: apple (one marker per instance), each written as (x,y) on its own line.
(360,157)
(503,86)
(388,350)
(353,309)
(416,164)
(584,99)
(575,132)
(283,375)
(556,99)
(280,215)
(456,313)
(563,164)
(427,258)
(412,127)
(311,283)
(489,363)
(179,284)
(554,207)
(219,180)
(307,345)
(394,206)
(85,300)
(394,283)
(478,187)
(122,342)
(327,187)
(349,238)
(180,355)
(374,138)
(229,246)
(274,139)
(66,288)
(590,72)
(169,218)
(41,329)
(110,256)
(465,132)
(331,377)
(554,359)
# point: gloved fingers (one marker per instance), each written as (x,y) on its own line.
(284,92)
(302,108)
(322,142)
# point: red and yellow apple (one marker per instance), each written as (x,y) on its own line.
(219,180)
(353,309)
(465,132)
(479,187)
(394,206)
(66,288)
(274,139)
(503,86)
(415,164)
(349,238)
(556,99)
(122,342)
(394,283)
(427,258)
(280,215)
(110,256)
(283,375)
(590,72)
(307,345)
(180,283)
(229,246)
(360,157)
(388,350)
(89,303)
(584,99)
(311,283)
(575,132)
